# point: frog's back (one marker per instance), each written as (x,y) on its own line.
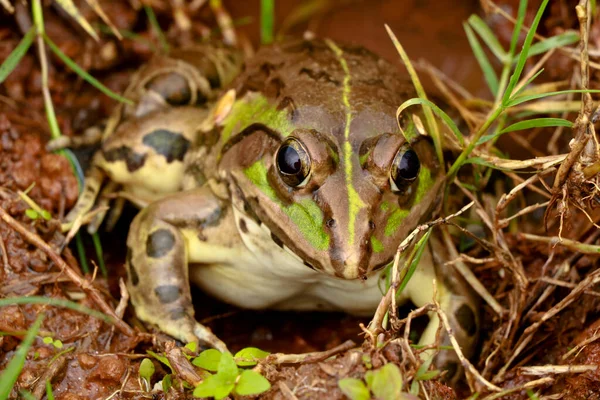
(307,79)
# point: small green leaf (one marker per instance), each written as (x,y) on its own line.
(160,358)
(167,382)
(207,387)
(192,346)
(355,389)
(208,359)
(249,356)
(32,214)
(228,370)
(251,383)
(428,375)
(146,369)
(17,54)
(58,344)
(214,386)
(46,215)
(386,383)
(47,340)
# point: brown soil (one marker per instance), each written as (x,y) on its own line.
(98,360)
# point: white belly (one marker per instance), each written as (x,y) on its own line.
(260,274)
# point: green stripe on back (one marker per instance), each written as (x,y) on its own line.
(354,201)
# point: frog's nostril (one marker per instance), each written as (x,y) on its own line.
(372,225)
(330,223)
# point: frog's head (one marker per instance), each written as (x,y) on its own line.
(326,169)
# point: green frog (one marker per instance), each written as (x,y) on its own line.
(291,191)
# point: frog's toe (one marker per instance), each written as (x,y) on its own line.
(205,335)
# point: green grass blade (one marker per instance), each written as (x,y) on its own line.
(522,99)
(15,365)
(86,76)
(537,123)
(527,124)
(431,123)
(485,65)
(17,54)
(564,39)
(83,263)
(488,37)
(99,254)
(529,82)
(438,111)
(51,301)
(517,29)
(156,28)
(514,79)
(49,392)
(267,17)
(504,75)
(419,249)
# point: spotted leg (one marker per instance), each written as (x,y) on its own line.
(455,299)
(158,249)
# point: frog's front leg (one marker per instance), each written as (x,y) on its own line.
(157,262)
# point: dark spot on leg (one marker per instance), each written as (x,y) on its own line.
(243,226)
(177,313)
(277,241)
(172,145)
(133,160)
(466,319)
(133,275)
(319,76)
(309,266)
(167,293)
(159,243)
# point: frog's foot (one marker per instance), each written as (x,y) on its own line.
(157,264)
(90,137)
(87,198)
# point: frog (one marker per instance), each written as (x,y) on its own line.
(288,183)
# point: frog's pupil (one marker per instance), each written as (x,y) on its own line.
(409,165)
(289,161)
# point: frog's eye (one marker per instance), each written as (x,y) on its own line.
(405,169)
(293,163)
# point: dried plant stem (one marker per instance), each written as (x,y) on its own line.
(557,369)
(307,358)
(587,283)
(471,371)
(84,284)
